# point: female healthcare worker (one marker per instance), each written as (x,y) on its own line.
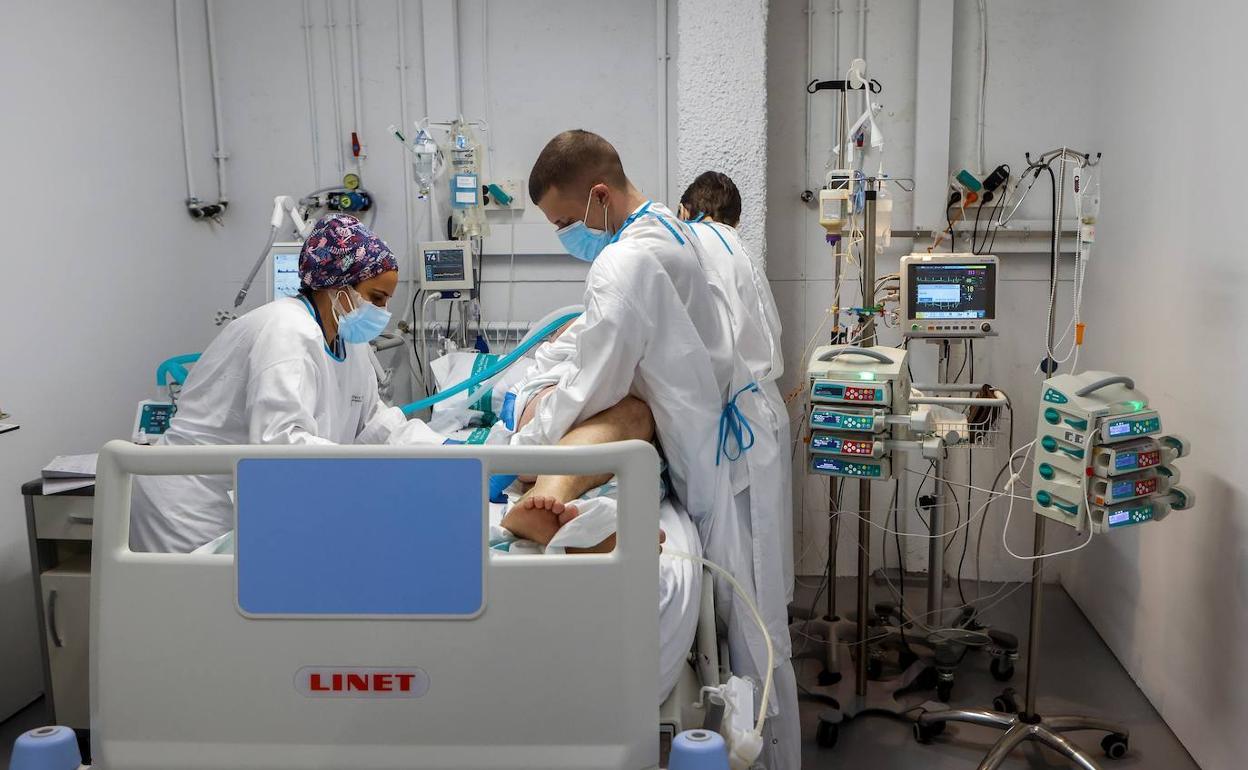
(294,371)
(712,207)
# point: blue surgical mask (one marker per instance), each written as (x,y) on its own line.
(363,322)
(582,241)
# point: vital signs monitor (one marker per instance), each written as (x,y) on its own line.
(446,265)
(284,270)
(948,295)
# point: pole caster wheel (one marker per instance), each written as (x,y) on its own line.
(1002,669)
(827,734)
(927,733)
(944,691)
(1115,745)
(875,668)
(1006,703)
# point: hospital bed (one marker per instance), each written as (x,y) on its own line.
(204,661)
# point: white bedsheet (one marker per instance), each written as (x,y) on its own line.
(680,586)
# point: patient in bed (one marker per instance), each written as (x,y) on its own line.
(555,501)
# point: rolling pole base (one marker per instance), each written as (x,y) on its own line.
(1020,728)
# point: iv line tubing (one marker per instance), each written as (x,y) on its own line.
(486,374)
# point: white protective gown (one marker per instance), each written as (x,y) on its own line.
(651,328)
(268,378)
(756,325)
(658,325)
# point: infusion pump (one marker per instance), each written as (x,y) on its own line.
(1101,458)
(859,404)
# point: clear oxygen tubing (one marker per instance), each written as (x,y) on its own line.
(533,339)
(758,618)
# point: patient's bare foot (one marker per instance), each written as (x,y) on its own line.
(538,517)
(564,511)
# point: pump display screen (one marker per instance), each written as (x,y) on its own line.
(285,265)
(831,419)
(1127,488)
(1136,515)
(836,467)
(952,291)
(829,444)
(444,265)
(1133,427)
(1132,460)
(835,391)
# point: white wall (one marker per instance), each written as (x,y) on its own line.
(106,274)
(1165,305)
(596,68)
(1025,112)
(722,104)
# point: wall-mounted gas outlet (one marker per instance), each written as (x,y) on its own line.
(514,189)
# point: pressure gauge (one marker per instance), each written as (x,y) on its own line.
(351,181)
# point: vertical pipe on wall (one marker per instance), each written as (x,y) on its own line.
(333,82)
(310,66)
(486,95)
(459,47)
(408,218)
(219,154)
(181,64)
(357,95)
(660,43)
(932,111)
(862,48)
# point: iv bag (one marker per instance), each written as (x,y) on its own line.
(423,166)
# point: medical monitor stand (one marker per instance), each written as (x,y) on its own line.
(1028,725)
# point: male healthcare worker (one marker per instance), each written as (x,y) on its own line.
(657,326)
(712,207)
(294,371)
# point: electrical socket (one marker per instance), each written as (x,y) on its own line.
(513,187)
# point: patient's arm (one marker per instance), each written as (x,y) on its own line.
(547,506)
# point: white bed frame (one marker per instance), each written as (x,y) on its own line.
(559,671)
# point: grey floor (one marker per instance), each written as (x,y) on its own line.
(1078,675)
(34,715)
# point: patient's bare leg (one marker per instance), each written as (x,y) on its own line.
(546,507)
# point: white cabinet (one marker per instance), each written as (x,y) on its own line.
(66,603)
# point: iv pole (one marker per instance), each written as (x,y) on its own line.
(1028,724)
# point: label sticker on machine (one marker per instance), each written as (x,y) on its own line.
(360,555)
(361,682)
(1074,438)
